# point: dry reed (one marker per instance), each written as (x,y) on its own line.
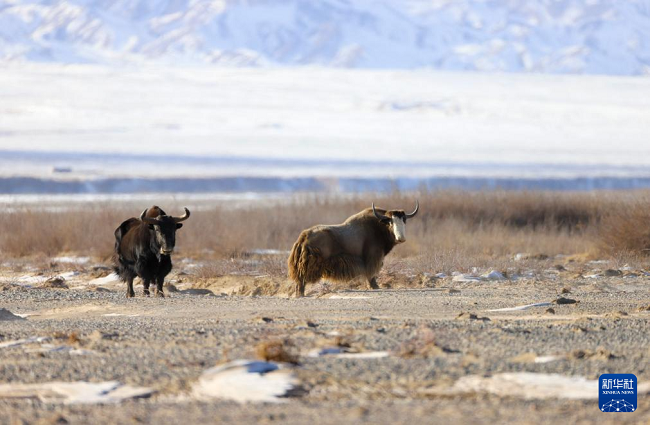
(451,226)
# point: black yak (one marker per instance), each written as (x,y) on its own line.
(143,248)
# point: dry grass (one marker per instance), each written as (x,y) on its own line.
(423,344)
(452,231)
(272,265)
(276,351)
(30,232)
(626,230)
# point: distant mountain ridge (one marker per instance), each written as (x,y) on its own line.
(549,36)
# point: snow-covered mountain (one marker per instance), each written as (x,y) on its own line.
(558,36)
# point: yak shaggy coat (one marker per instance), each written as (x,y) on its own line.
(346,251)
(143,248)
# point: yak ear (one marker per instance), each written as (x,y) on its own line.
(179,225)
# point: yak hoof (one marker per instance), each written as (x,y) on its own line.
(160,294)
(130,294)
(146,293)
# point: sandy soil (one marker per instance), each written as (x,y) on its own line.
(434,332)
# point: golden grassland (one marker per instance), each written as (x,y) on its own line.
(453,230)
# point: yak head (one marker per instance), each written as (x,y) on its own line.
(396,221)
(164,228)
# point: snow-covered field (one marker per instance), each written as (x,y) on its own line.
(97,128)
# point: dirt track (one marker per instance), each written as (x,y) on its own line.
(166,344)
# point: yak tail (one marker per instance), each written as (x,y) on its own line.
(305,263)
(119,262)
(119,269)
(117,266)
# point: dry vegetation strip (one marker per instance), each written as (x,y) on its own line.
(450,225)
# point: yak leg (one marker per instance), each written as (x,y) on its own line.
(129,288)
(146,283)
(300,288)
(372,283)
(159,286)
(164,267)
(373,260)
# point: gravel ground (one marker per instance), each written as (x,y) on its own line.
(166,344)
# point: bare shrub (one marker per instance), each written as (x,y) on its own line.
(626,230)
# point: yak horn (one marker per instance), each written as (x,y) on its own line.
(183,217)
(379,216)
(415,211)
(147,220)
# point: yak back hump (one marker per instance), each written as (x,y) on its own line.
(129,236)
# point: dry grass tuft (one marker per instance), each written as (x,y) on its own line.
(56,282)
(341,341)
(598,354)
(422,345)
(626,230)
(276,351)
(73,338)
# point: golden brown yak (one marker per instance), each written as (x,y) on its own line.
(345,251)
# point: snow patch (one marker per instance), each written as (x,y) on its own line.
(246,381)
(75,392)
(529,386)
(524,307)
(348,297)
(28,280)
(30,340)
(111,278)
(546,359)
(345,353)
(466,278)
(268,252)
(71,260)
(492,275)
(51,348)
